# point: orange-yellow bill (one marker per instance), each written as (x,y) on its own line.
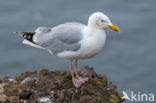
(115,28)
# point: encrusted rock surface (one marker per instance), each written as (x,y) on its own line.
(53,86)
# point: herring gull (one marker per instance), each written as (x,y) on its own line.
(72,41)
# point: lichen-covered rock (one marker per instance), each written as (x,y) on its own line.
(53,86)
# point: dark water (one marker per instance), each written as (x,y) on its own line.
(129,58)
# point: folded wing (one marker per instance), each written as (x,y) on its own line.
(65,37)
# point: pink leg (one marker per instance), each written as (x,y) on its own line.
(71,70)
(76,66)
(79,80)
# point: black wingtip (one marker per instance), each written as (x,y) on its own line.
(27,35)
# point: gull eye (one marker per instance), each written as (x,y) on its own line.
(102,21)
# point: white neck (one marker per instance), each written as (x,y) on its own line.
(92,23)
(91,31)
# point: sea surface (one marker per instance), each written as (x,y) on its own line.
(128,58)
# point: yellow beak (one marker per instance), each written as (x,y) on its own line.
(115,28)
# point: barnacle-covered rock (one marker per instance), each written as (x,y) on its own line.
(53,86)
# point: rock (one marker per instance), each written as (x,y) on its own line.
(53,96)
(13,99)
(87,99)
(102,77)
(88,72)
(26,74)
(53,86)
(62,95)
(29,80)
(3,98)
(2,87)
(10,79)
(26,94)
(6,79)
(44,100)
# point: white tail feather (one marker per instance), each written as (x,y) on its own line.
(31,44)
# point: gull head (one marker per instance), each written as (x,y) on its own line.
(101,21)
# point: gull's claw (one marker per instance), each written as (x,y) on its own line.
(78,82)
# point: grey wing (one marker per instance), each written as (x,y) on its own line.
(64,37)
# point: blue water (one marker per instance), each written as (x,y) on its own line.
(129,58)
